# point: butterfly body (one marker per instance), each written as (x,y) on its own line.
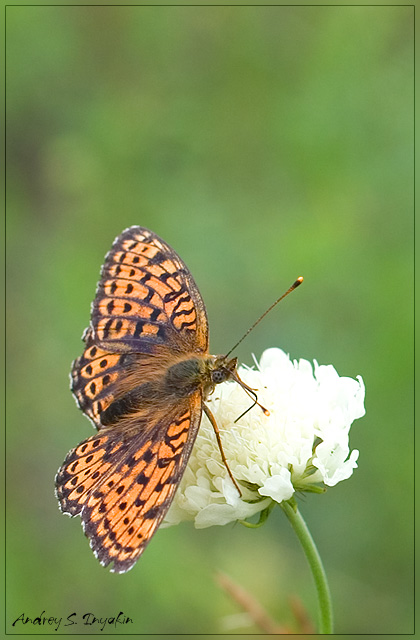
(142,380)
(181,379)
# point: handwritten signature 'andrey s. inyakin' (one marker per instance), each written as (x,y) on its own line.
(86,619)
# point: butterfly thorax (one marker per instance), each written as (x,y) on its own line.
(179,380)
(186,376)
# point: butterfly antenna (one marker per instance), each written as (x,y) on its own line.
(297,282)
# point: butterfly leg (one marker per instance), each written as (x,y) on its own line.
(219,442)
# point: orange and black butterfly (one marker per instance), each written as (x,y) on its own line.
(142,380)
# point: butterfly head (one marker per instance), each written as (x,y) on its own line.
(223,369)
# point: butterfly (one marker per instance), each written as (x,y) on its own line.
(142,380)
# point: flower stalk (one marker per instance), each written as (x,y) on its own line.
(325,614)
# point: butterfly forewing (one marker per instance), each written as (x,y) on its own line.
(146,303)
(147,296)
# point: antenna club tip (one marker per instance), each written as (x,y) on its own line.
(297,282)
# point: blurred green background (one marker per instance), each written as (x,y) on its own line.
(262,143)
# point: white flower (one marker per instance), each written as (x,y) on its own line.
(302,444)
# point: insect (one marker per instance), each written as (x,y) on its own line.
(142,379)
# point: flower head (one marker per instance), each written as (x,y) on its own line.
(303,442)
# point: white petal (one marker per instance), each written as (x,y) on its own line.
(331,461)
(278,487)
(220,514)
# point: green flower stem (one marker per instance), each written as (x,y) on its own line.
(315,563)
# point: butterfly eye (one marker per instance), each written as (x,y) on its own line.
(219,375)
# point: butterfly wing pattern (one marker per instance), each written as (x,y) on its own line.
(146,301)
(147,315)
(122,488)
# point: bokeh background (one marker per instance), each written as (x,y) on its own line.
(262,143)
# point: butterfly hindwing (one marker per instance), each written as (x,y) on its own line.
(95,376)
